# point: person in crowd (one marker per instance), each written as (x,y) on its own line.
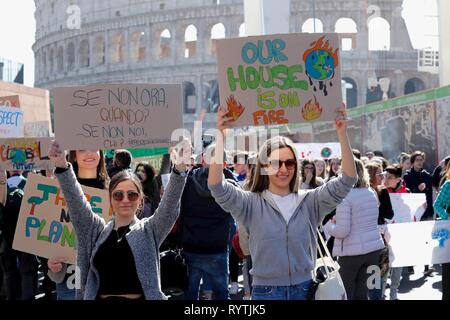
(357,242)
(121,161)
(335,166)
(205,233)
(119,260)
(19,268)
(320,168)
(89,167)
(405,162)
(240,166)
(277,215)
(439,172)
(147,175)
(309,179)
(442,207)
(370,155)
(356,154)
(394,184)
(385,213)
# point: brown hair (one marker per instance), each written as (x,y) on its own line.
(363,175)
(304,163)
(102,174)
(322,175)
(261,181)
(372,168)
(416,154)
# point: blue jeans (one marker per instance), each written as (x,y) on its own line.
(215,266)
(295,292)
(64,293)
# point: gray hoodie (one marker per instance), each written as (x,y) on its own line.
(144,238)
(280,251)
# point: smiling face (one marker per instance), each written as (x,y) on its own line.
(280,177)
(320,167)
(121,203)
(88,159)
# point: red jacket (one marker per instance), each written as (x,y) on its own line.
(401,189)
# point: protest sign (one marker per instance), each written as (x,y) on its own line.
(37,129)
(25,154)
(44,227)
(280,79)
(318,150)
(407,207)
(11,122)
(117,116)
(419,243)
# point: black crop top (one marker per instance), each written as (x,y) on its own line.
(116,266)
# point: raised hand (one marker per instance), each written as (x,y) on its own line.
(55,264)
(57,156)
(180,155)
(341,120)
(223,122)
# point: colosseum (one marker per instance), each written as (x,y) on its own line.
(173,41)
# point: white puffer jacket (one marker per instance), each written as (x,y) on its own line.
(356,230)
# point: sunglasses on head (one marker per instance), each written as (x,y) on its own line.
(120,195)
(277,164)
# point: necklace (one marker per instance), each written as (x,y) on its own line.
(119,238)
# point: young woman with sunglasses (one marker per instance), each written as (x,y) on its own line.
(277,215)
(90,170)
(119,260)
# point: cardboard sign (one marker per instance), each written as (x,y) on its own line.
(419,243)
(318,150)
(37,129)
(10,101)
(117,116)
(25,154)
(11,122)
(408,207)
(280,79)
(44,227)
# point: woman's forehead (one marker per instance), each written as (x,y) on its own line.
(126,185)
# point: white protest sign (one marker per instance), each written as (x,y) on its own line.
(419,243)
(318,150)
(11,122)
(407,207)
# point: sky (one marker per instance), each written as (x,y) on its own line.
(17,29)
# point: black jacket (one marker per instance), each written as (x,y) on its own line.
(205,225)
(413,179)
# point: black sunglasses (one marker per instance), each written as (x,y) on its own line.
(119,195)
(277,164)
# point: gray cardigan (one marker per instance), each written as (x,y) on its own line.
(144,238)
(280,251)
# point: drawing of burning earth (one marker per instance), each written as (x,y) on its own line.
(320,64)
(235,108)
(311,110)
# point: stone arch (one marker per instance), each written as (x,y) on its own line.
(118,48)
(84,53)
(165,39)
(347,30)
(218,31)
(350,89)
(308,26)
(414,85)
(60,59)
(138,46)
(189,97)
(190,41)
(379,34)
(99,50)
(70,52)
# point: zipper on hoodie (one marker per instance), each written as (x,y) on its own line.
(287,251)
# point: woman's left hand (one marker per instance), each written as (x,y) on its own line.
(181,155)
(341,120)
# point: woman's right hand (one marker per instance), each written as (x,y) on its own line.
(223,122)
(57,156)
(55,264)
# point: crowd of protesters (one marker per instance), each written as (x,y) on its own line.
(226,216)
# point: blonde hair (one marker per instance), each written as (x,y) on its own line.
(261,181)
(363,175)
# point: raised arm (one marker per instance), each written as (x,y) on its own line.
(3,187)
(443,201)
(167,213)
(84,220)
